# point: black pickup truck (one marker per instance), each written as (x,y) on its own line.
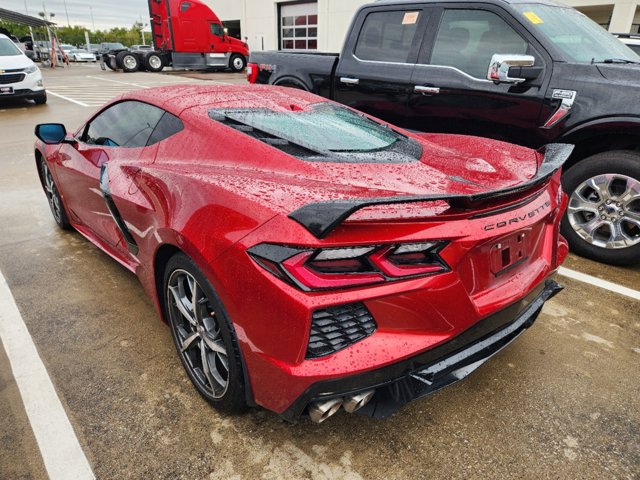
(527,72)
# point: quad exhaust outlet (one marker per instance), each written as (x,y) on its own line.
(357,401)
(320,411)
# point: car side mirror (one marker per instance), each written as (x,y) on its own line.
(51,133)
(500,68)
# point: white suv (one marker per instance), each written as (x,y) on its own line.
(632,40)
(19,76)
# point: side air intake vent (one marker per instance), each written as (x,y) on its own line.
(335,328)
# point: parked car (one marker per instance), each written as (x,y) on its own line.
(527,72)
(632,40)
(67,47)
(316,257)
(19,76)
(81,55)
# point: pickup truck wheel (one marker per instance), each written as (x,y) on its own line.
(153,62)
(603,217)
(237,63)
(128,61)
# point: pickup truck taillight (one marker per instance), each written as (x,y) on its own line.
(312,269)
(252,72)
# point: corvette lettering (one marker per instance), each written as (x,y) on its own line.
(519,218)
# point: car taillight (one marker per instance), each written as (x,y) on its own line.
(252,72)
(332,268)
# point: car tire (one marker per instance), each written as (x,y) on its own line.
(111,63)
(602,221)
(127,61)
(203,332)
(53,197)
(237,63)
(41,98)
(153,62)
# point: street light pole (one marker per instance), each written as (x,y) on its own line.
(92,20)
(67,13)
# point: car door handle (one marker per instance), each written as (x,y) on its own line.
(424,90)
(350,81)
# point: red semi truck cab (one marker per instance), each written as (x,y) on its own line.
(192,35)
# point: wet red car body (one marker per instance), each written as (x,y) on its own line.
(488,211)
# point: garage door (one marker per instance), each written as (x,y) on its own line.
(299,26)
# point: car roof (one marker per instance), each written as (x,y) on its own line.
(4,36)
(178,98)
(508,2)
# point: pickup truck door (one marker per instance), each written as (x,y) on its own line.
(450,90)
(376,66)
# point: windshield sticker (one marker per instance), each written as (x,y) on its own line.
(410,18)
(533,18)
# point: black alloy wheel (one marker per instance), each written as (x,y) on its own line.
(53,197)
(203,336)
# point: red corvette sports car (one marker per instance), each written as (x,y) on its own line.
(306,256)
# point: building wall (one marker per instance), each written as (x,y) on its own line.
(259,18)
(623,15)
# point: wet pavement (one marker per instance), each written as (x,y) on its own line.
(563,401)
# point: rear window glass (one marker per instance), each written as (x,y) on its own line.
(324,129)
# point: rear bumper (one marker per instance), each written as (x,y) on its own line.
(398,384)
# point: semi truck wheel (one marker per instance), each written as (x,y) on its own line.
(127,61)
(237,63)
(603,217)
(153,62)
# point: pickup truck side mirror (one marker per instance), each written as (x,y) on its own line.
(502,67)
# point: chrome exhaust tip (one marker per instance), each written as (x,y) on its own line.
(357,401)
(320,411)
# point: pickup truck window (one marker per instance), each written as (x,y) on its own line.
(467,39)
(580,39)
(387,36)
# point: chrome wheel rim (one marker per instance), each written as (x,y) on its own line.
(52,193)
(155,61)
(238,63)
(130,62)
(605,211)
(198,334)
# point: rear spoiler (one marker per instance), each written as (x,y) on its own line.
(321,218)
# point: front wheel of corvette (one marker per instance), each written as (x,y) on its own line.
(203,335)
(53,197)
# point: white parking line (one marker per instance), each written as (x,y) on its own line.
(67,98)
(604,284)
(118,81)
(61,452)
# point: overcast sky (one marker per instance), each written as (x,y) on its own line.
(106,13)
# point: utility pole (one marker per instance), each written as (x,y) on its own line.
(92,20)
(67,13)
(26,9)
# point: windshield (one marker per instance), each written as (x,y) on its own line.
(579,38)
(325,127)
(114,46)
(8,48)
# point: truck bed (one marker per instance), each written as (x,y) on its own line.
(312,71)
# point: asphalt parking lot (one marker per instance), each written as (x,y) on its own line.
(563,401)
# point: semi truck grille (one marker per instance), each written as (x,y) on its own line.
(335,328)
(11,78)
